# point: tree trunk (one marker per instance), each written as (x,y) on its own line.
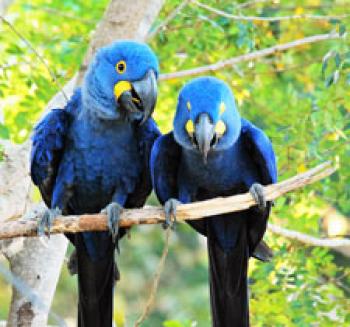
(4,4)
(36,264)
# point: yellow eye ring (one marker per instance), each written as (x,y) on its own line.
(220,128)
(120,67)
(189,127)
(188,104)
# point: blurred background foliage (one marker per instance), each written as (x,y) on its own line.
(300,98)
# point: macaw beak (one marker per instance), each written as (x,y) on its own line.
(204,135)
(138,96)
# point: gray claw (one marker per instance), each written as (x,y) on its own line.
(46,221)
(113,212)
(170,212)
(257,192)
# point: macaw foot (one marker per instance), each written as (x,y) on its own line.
(46,221)
(113,212)
(72,263)
(257,192)
(170,213)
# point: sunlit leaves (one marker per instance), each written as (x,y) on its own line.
(307,123)
(59,31)
(300,98)
(4,132)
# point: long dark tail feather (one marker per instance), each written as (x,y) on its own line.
(228,283)
(95,281)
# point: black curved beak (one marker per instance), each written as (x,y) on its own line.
(140,96)
(204,134)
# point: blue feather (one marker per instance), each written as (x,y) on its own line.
(240,157)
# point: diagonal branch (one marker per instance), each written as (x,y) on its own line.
(309,239)
(266,19)
(168,19)
(155,215)
(249,56)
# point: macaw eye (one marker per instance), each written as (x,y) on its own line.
(188,104)
(220,128)
(120,67)
(189,127)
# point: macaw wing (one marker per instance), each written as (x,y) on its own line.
(165,158)
(48,142)
(146,135)
(261,151)
(47,150)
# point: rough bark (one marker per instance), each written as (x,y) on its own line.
(192,211)
(30,258)
(4,4)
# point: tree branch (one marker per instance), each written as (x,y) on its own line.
(251,3)
(31,259)
(249,56)
(168,19)
(266,19)
(308,239)
(4,4)
(155,215)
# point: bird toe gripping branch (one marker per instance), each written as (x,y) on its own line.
(155,215)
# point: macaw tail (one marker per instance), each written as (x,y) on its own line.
(96,277)
(228,281)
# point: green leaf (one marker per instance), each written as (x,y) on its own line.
(342,29)
(329,80)
(325,60)
(337,59)
(4,132)
(345,64)
(334,21)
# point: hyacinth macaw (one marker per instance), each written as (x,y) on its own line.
(212,152)
(94,155)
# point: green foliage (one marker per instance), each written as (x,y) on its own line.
(299,97)
(176,323)
(59,31)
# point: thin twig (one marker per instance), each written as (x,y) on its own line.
(40,57)
(150,301)
(168,19)
(249,56)
(268,19)
(155,215)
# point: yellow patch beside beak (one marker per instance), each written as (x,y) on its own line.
(189,127)
(121,87)
(220,128)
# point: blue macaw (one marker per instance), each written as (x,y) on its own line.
(94,155)
(213,152)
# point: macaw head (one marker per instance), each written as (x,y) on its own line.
(121,82)
(206,118)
